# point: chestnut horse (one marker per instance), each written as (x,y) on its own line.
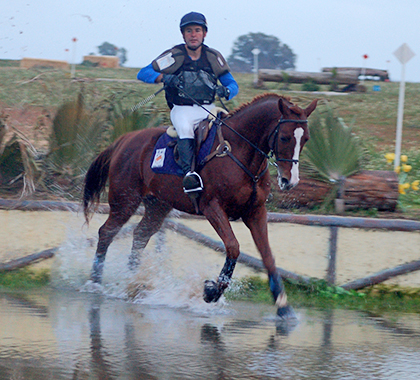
(235,185)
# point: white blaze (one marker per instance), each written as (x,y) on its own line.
(294,178)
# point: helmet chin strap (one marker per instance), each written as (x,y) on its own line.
(194,48)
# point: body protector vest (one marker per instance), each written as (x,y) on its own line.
(196,80)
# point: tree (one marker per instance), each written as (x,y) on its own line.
(122,55)
(109,49)
(273,53)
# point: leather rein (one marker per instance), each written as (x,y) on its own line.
(224,148)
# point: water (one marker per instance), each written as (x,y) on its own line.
(58,334)
(154,325)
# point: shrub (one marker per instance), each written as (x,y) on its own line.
(310,85)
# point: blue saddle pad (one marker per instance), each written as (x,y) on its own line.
(163,161)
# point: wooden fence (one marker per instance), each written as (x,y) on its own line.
(334,223)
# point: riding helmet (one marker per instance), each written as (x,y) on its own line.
(193,18)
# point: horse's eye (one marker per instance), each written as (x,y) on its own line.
(284,139)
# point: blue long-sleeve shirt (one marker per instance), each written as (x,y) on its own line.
(148,75)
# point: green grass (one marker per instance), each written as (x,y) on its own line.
(320,295)
(369,112)
(372,115)
(25,278)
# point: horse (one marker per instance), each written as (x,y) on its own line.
(236,185)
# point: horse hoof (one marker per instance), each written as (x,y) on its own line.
(286,313)
(211,291)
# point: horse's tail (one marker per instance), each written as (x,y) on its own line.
(95,181)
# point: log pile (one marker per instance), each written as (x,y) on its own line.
(308,193)
(368,72)
(374,189)
(269,75)
(370,189)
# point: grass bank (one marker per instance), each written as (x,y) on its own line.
(25,278)
(319,295)
(377,299)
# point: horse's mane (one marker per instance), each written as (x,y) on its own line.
(295,109)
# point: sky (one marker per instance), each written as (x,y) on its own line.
(322,33)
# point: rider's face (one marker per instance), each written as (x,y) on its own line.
(194,36)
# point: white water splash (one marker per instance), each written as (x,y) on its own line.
(161,279)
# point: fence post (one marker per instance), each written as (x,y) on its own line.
(332,255)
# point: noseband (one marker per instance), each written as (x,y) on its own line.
(274,135)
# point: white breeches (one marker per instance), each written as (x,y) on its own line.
(185,119)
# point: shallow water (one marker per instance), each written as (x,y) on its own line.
(154,324)
(57,334)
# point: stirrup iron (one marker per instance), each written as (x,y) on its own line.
(192,182)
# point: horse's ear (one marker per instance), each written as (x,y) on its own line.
(311,107)
(283,107)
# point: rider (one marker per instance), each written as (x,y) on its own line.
(189,73)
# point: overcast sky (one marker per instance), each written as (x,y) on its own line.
(322,33)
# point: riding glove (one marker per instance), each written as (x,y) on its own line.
(170,80)
(222,92)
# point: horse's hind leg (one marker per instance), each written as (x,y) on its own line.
(119,214)
(154,215)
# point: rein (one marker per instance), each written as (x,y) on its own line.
(224,147)
(275,132)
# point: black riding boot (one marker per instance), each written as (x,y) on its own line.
(192,182)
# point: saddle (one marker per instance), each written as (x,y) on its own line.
(165,155)
(200,134)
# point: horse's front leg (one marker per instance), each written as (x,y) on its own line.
(220,222)
(257,223)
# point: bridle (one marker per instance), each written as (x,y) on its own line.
(273,149)
(274,136)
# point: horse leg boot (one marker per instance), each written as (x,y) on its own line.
(192,182)
(212,290)
(284,310)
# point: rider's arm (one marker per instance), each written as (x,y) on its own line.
(229,81)
(148,75)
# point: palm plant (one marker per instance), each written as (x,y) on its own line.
(333,151)
(18,167)
(124,121)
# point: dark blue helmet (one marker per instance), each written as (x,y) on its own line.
(193,18)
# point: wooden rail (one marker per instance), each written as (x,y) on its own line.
(332,222)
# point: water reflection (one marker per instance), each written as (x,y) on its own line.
(58,335)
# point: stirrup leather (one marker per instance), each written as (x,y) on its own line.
(192,182)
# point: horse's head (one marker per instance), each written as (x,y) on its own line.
(287,140)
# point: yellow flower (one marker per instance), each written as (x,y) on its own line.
(390,157)
(406,168)
(397,169)
(415,185)
(402,187)
(404,158)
